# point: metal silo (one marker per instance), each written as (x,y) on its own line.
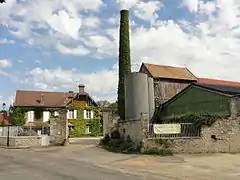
(136,95)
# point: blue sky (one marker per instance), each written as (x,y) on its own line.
(54,45)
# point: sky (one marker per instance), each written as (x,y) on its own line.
(54,45)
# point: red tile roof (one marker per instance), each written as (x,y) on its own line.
(170,72)
(217,82)
(43,99)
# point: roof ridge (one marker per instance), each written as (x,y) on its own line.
(165,65)
(218,79)
(43,91)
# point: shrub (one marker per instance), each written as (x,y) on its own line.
(115,134)
(159,152)
(105,140)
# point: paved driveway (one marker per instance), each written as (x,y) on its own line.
(86,161)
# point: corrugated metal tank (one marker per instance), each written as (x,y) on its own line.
(151,98)
(136,95)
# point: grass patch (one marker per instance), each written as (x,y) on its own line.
(158,152)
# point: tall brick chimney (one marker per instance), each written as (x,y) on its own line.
(124,60)
(81,88)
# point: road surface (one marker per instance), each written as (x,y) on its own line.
(55,165)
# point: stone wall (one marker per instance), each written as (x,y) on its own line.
(109,121)
(235,106)
(222,136)
(136,129)
(59,129)
(16,141)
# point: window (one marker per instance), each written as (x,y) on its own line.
(88,114)
(71,114)
(87,129)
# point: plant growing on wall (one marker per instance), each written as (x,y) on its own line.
(198,119)
(80,122)
(18,118)
(124,60)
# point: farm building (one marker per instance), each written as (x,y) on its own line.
(208,98)
(168,80)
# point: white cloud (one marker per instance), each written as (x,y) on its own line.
(191,5)
(91,22)
(63,23)
(126,4)
(147,10)
(78,51)
(5,63)
(6,41)
(55,79)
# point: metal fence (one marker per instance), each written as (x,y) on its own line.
(184,130)
(24,131)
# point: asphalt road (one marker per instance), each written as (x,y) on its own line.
(52,165)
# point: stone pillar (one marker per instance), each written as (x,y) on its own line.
(144,129)
(235,106)
(105,116)
(59,129)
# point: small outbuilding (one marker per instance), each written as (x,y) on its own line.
(203,98)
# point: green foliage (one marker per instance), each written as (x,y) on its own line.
(157,151)
(124,60)
(80,123)
(118,144)
(105,141)
(198,119)
(18,118)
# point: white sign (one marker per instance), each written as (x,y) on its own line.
(167,128)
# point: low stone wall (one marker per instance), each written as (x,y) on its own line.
(30,141)
(225,131)
(131,128)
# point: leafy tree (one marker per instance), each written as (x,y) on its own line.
(18,118)
(124,60)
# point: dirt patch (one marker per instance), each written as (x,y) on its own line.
(204,167)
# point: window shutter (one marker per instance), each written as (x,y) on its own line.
(31,116)
(56,113)
(92,114)
(46,115)
(84,114)
(75,114)
(28,116)
(67,114)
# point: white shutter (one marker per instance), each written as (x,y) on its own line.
(32,116)
(84,114)
(46,115)
(67,114)
(75,114)
(28,116)
(92,113)
(56,113)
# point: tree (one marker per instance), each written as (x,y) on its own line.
(18,118)
(124,60)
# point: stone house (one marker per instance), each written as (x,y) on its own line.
(39,106)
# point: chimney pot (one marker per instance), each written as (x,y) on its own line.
(81,88)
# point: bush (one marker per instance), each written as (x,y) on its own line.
(105,140)
(159,152)
(115,134)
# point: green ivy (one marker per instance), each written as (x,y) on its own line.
(198,119)
(124,60)
(80,123)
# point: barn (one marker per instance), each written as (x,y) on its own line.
(223,100)
(168,80)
